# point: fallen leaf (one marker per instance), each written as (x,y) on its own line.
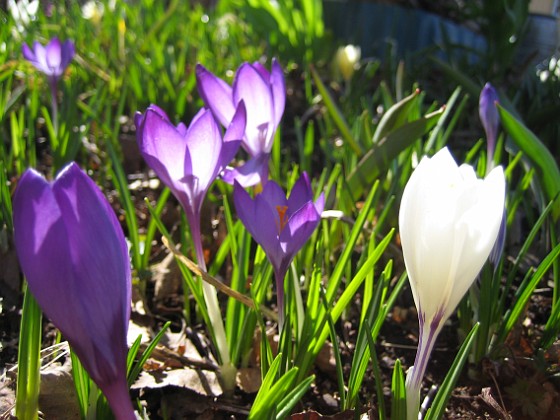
(249,380)
(202,382)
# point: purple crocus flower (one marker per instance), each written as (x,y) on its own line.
(73,253)
(51,59)
(188,160)
(264,94)
(489,117)
(280,225)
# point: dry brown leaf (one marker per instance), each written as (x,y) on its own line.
(249,380)
(58,394)
(202,382)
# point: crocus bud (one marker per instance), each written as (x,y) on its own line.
(74,256)
(346,59)
(489,117)
(448,220)
(51,59)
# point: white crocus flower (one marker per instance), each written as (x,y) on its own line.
(93,10)
(448,220)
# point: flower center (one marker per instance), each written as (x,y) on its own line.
(282,217)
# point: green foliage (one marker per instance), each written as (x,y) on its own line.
(292,28)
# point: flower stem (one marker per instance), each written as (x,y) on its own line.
(53,82)
(428,335)
(279,276)
(227,370)
(118,397)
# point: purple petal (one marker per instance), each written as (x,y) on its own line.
(42,248)
(53,56)
(68,52)
(236,128)
(253,172)
(204,143)
(301,194)
(274,195)
(87,214)
(300,227)
(320,203)
(28,54)
(40,57)
(260,219)
(250,87)
(233,136)
(162,146)
(216,94)
(278,91)
(263,71)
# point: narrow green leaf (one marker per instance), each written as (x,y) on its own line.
(133,374)
(524,293)
(82,384)
(538,154)
(377,159)
(398,392)
(29,361)
(395,116)
(437,410)
(293,397)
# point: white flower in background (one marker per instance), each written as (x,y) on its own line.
(449,221)
(346,59)
(23,12)
(93,10)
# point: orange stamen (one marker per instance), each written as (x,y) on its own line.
(282,217)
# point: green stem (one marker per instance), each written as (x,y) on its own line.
(227,370)
(29,359)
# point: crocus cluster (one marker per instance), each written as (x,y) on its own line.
(449,221)
(264,94)
(280,225)
(74,256)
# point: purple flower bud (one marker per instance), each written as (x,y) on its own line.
(264,94)
(489,116)
(73,253)
(280,225)
(51,59)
